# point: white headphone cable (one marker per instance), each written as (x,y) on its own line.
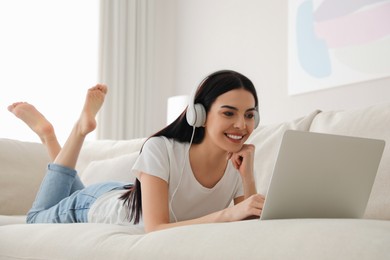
(186,156)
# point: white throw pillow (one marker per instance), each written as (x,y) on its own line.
(371,122)
(106,149)
(267,140)
(113,169)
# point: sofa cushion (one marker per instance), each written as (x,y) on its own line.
(371,122)
(106,149)
(68,241)
(267,140)
(291,239)
(23,165)
(114,169)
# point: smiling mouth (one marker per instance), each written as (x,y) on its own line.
(234,137)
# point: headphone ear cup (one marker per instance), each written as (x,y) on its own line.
(191,115)
(257,119)
(200,115)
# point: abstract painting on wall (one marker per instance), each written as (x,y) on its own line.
(337,42)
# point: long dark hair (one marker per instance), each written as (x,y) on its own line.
(207,92)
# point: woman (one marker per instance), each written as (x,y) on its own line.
(188,173)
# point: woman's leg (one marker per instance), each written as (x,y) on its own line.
(63,206)
(54,196)
(69,153)
(44,129)
(49,205)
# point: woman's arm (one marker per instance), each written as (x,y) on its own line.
(243,161)
(155,207)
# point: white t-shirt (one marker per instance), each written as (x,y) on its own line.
(168,159)
(109,209)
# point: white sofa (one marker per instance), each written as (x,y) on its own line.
(23,166)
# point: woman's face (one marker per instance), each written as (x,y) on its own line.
(230,120)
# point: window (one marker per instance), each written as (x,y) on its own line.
(49,58)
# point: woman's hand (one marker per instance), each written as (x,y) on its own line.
(248,208)
(243,160)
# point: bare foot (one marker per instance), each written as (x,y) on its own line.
(34,119)
(93,102)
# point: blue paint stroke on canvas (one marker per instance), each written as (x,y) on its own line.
(312,51)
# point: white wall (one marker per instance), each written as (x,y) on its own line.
(251,37)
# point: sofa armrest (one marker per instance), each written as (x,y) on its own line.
(23,165)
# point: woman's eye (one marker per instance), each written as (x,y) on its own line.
(250,116)
(228,113)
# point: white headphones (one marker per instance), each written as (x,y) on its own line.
(196,113)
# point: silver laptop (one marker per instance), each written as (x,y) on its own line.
(322,176)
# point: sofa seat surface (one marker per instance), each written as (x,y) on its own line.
(252,239)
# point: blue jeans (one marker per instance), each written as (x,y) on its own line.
(62,197)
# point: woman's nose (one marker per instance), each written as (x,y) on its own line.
(240,123)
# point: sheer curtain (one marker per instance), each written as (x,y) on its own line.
(126,37)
